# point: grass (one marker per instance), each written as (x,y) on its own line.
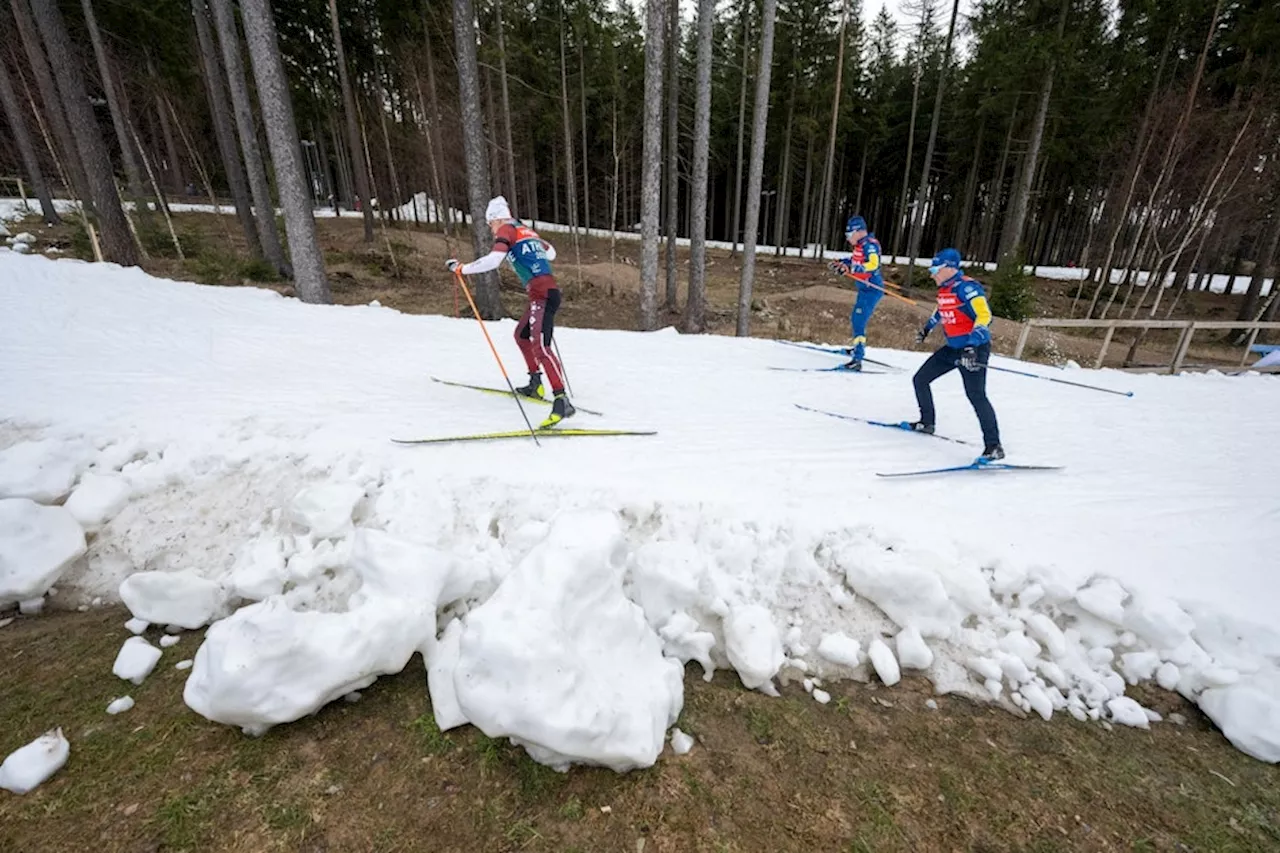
(767,773)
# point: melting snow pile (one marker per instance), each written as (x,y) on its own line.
(28,766)
(227,455)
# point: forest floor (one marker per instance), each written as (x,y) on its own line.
(794,299)
(863,773)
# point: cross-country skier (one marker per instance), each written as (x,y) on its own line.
(965,318)
(864,266)
(531,257)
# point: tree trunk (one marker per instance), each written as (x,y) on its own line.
(444,189)
(696,301)
(911,141)
(12,109)
(437,192)
(828,171)
(651,166)
(359,157)
(997,191)
(128,156)
(917,213)
(392,174)
(1262,263)
(54,111)
(570,195)
(464,29)
(744,23)
(265,209)
(782,218)
(673,152)
(506,109)
(286,154)
(1015,219)
(760,123)
(586,159)
(117,238)
(231,162)
(970,188)
(176,172)
(806,199)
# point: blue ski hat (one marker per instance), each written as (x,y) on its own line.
(945,258)
(855,223)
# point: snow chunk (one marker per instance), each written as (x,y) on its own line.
(28,766)
(681,743)
(137,626)
(563,663)
(907,594)
(822,696)
(325,510)
(136,659)
(266,664)
(913,652)
(1049,634)
(169,640)
(682,640)
(440,669)
(184,664)
(98,499)
(1248,712)
(841,649)
(1127,712)
(886,665)
(1168,676)
(42,471)
(259,571)
(1037,699)
(1159,621)
(753,645)
(37,544)
(173,598)
(119,706)
(1104,599)
(1139,666)
(987,668)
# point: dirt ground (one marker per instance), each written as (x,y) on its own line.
(795,299)
(874,770)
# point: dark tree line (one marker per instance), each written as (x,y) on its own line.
(1046,132)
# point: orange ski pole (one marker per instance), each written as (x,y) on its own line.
(476,311)
(908,300)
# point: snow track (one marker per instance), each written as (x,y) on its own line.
(238,441)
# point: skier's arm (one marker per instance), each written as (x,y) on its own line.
(550,249)
(977,308)
(488,263)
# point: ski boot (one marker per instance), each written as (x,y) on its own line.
(855,364)
(533,389)
(991,453)
(561,408)
(921,426)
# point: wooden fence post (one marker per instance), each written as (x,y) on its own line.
(1022,339)
(1184,344)
(1106,342)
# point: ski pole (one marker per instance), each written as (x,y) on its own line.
(567,384)
(476,311)
(1051,379)
(905,299)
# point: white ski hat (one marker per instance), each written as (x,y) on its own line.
(498,209)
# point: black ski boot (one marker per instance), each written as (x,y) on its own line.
(855,364)
(992,453)
(921,426)
(533,389)
(561,408)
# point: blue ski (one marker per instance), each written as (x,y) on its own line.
(841,351)
(975,465)
(838,369)
(903,425)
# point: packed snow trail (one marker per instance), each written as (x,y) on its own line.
(749,530)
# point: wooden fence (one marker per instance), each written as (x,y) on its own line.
(1188,327)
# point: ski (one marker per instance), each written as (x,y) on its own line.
(502,392)
(838,369)
(523,433)
(902,425)
(976,465)
(842,351)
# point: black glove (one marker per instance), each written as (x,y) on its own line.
(452,264)
(838,267)
(921,335)
(969,359)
